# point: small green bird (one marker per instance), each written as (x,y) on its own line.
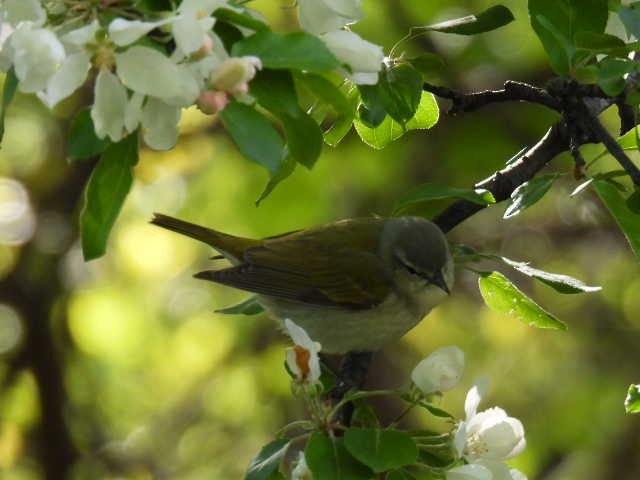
(354,285)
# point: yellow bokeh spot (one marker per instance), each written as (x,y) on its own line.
(148,251)
(200,344)
(234,395)
(11,444)
(108,322)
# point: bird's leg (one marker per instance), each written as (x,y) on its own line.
(352,374)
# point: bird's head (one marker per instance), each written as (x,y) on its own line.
(417,246)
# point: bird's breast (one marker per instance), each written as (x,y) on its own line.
(341,330)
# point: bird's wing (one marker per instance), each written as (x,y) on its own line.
(333,268)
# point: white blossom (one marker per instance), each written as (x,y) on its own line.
(109,106)
(442,370)
(15,12)
(301,470)
(147,71)
(37,55)
(363,58)
(501,471)
(489,437)
(233,75)
(160,124)
(322,16)
(302,359)
(469,472)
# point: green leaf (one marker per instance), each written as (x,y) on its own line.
(490,19)
(399,475)
(503,297)
(83,141)
(632,402)
(429,191)
(326,91)
(8,92)
(304,138)
(435,411)
(611,72)
(254,135)
(329,460)
(400,91)
(296,51)
(107,189)
(343,123)
(389,130)
(371,112)
(630,16)
(285,170)
(559,282)
(241,19)
(529,193)
(268,460)
(556,22)
(427,63)
(599,42)
(250,306)
(381,449)
(275,91)
(628,221)
(633,202)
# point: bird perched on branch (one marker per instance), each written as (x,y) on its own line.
(354,285)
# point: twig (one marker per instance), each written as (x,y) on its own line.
(502,183)
(512,91)
(614,147)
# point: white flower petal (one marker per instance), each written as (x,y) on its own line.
(16,11)
(301,470)
(81,36)
(37,56)
(148,71)
(300,336)
(160,124)
(442,370)
(109,106)
(474,396)
(125,32)
(133,112)
(68,78)
(460,439)
(361,56)
(469,472)
(517,474)
(499,470)
(190,33)
(321,16)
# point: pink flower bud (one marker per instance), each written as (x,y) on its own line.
(211,102)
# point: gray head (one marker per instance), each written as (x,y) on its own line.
(419,247)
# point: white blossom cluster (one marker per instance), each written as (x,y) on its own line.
(482,441)
(136,84)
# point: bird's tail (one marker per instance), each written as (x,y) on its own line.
(223,242)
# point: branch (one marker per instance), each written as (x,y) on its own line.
(512,91)
(614,147)
(502,183)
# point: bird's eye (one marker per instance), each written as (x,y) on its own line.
(411,270)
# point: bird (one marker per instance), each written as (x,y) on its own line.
(353,285)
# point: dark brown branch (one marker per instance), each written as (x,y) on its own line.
(502,183)
(512,91)
(614,147)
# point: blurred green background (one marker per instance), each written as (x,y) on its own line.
(124,359)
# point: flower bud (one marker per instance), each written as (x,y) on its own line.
(440,371)
(234,74)
(302,359)
(211,102)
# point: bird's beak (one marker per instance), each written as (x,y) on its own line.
(439,281)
